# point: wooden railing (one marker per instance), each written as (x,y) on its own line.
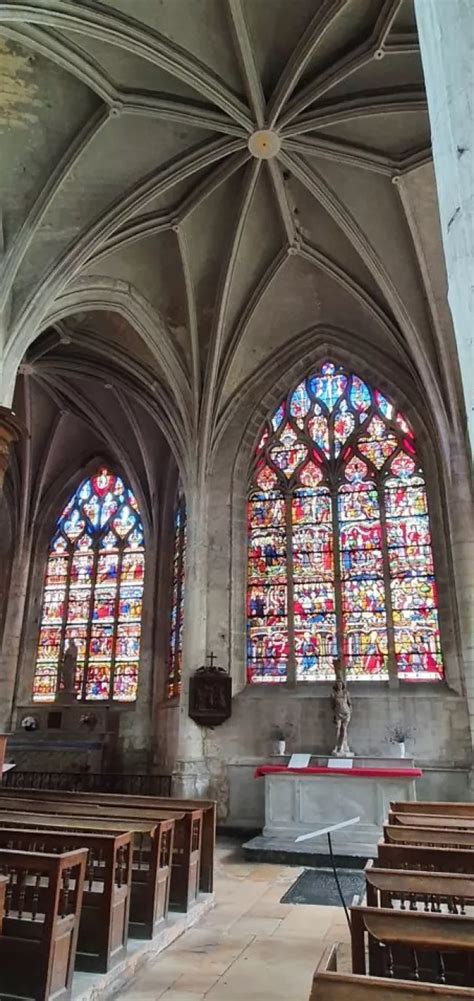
(132,785)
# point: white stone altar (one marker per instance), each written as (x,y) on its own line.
(298,803)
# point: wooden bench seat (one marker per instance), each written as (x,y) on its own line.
(103,927)
(437,948)
(40,925)
(329,985)
(430,836)
(151,860)
(417,890)
(186,845)
(407,856)
(433,807)
(207,806)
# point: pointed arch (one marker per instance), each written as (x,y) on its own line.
(340,558)
(93,593)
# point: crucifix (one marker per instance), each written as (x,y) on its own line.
(211,656)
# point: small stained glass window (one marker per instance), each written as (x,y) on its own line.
(339,559)
(93,593)
(175,656)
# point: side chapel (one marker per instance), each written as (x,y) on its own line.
(235,389)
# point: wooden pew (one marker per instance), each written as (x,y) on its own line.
(437,809)
(329,985)
(417,890)
(208,807)
(432,836)
(437,948)
(406,856)
(150,860)
(40,923)
(103,927)
(184,884)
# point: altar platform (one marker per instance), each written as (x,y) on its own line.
(301,800)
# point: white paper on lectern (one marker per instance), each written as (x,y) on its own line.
(328,830)
(299,761)
(6,768)
(340,763)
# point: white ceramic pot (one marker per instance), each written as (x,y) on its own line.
(401,749)
(280,747)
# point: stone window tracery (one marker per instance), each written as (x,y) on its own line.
(93,593)
(340,559)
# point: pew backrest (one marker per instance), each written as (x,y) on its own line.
(431,820)
(42,905)
(407,856)
(430,836)
(414,890)
(329,985)
(433,807)
(103,926)
(208,807)
(404,945)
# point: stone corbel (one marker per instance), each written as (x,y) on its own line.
(11,430)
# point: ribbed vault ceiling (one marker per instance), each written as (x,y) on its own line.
(139,224)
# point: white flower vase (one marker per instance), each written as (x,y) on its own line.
(401,748)
(280,747)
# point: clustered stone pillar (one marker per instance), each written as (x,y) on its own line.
(11,430)
(445,29)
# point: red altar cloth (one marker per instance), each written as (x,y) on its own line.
(365,773)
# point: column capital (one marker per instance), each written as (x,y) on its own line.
(11,430)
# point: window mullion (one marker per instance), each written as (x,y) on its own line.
(290,611)
(392,663)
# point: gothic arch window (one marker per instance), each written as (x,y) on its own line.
(175,656)
(340,559)
(93,592)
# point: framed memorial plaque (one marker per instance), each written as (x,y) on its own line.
(210,695)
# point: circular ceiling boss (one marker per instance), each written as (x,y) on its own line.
(264,144)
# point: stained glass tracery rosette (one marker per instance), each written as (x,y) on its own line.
(99,543)
(413,585)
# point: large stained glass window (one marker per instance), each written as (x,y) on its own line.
(177,603)
(340,560)
(93,593)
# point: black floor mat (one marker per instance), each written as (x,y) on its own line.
(318,886)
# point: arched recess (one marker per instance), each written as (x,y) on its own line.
(244,427)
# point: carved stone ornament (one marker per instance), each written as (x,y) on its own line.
(210,695)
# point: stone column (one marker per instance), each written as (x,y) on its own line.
(190,774)
(446,33)
(11,430)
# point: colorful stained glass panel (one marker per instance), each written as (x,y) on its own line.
(89,565)
(325,498)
